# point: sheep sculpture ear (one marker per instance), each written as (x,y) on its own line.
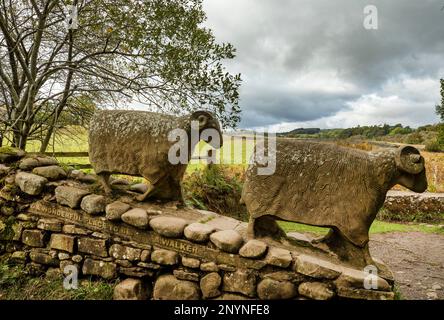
(409,160)
(201,116)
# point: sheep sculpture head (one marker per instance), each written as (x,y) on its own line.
(325,185)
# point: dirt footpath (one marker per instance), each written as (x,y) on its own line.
(417,262)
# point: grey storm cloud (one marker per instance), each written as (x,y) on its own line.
(307,60)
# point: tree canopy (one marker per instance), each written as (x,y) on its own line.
(113,53)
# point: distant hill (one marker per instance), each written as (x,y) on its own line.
(394,133)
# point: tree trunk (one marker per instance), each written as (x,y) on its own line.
(45,141)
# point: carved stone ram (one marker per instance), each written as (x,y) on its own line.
(136,143)
(326,185)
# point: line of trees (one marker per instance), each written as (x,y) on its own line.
(57,67)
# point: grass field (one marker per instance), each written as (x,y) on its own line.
(377,227)
(236,152)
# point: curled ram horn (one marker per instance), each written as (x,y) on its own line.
(409,160)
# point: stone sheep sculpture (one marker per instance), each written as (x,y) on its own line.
(322,184)
(136,143)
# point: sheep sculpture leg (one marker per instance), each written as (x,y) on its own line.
(104,181)
(144,196)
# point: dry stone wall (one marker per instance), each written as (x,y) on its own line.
(52,218)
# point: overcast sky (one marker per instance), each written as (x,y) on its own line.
(311,63)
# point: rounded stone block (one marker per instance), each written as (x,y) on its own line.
(167,287)
(198,232)
(93,204)
(253,249)
(136,217)
(227,240)
(170,227)
(269,289)
(131,289)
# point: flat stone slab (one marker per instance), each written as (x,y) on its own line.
(198,232)
(50,172)
(316,290)
(279,257)
(70,196)
(253,249)
(227,240)
(316,268)
(36,161)
(170,227)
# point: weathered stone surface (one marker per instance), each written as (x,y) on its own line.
(95,247)
(7,210)
(50,172)
(190,262)
(36,161)
(227,267)
(167,287)
(353,293)
(356,279)
(253,249)
(118,251)
(117,182)
(18,257)
(123,263)
(209,285)
(278,257)
(198,232)
(269,289)
(316,290)
(106,270)
(93,204)
(77,258)
(242,281)
(186,275)
(43,258)
(70,196)
(316,268)
(63,256)
(11,154)
(62,242)
(131,289)
(50,224)
(136,217)
(73,229)
(139,187)
(168,226)
(165,257)
(115,210)
(286,276)
(227,240)
(209,267)
(136,272)
(232,296)
(30,183)
(145,255)
(33,238)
